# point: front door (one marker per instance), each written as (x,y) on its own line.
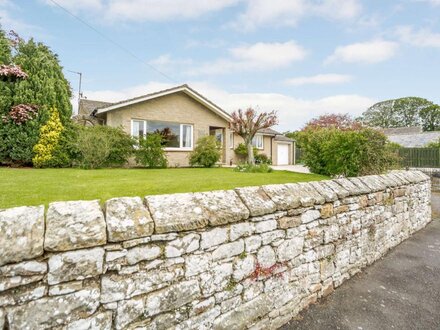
(283,154)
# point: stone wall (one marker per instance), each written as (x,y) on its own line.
(245,258)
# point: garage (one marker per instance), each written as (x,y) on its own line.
(283,154)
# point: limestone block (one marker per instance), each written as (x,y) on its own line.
(242,229)
(289,222)
(285,196)
(338,189)
(26,268)
(197,263)
(213,237)
(309,195)
(228,250)
(177,212)
(127,218)
(184,245)
(223,206)
(172,297)
(128,311)
(266,225)
(266,256)
(310,216)
(21,233)
(201,321)
(362,187)
(141,253)
(54,311)
(74,225)
(327,211)
(101,321)
(75,265)
(7,283)
(2,318)
(325,191)
(244,314)
(289,249)
(243,267)
(348,185)
(256,200)
(216,280)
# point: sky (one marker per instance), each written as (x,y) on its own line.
(302,58)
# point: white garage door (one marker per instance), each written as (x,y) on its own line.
(283,154)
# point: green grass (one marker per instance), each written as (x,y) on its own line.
(41,186)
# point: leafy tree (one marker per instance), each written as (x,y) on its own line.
(333,120)
(247,123)
(49,139)
(44,86)
(150,152)
(206,153)
(403,112)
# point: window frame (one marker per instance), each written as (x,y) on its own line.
(231,140)
(255,139)
(181,125)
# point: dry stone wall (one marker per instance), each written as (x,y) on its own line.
(246,258)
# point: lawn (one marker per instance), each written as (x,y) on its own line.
(41,186)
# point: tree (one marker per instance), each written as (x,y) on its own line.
(247,123)
(403,112)
(333,120)
(43,85)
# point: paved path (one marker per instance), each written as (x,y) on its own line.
(291,168)
(401,291)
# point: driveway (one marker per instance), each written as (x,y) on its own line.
(291,168)
(400,291)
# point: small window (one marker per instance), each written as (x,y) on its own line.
(187,136)
(138,128)
(257,141)
(231,140)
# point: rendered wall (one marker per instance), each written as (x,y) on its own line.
(246,258)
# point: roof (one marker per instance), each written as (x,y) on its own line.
(402,130)
(182,88)
(86,107)
(268,131)
(283,138)
(415,140)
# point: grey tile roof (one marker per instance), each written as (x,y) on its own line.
(401,130)
(86,107)
(283,138)
(415,140)
(268,131)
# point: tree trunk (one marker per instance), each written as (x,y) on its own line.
(250,151)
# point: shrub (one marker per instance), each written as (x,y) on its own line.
(334,152)
(247,168)
(150,152)
(48,141)
(262,159)
(206,153)
(103,146)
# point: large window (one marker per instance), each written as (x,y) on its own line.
(257,141)
(175,135)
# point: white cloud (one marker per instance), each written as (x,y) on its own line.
(293,112)
(145,10)
(419,38)
(364,52)
(431,2)
(320,79)
(290,12)
(260,56)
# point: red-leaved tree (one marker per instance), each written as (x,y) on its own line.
(333,120)
(247,123)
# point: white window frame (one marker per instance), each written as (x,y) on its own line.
(231,140)
(180,148)
(255,142)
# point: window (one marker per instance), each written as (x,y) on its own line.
(257,141)
(231,140)
(175,135)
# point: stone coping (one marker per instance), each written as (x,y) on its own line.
(26,232)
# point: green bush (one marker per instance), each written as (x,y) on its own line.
(262,159)
(334,152)
(150,152)
(247,168)
(206,152)
(103,146)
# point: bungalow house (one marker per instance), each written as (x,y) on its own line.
(183,116)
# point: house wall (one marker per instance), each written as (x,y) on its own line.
(178,108)
(251,257)
(275,154)
(267,148)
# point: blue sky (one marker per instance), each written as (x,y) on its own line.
(300,57)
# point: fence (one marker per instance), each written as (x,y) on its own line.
(420,157)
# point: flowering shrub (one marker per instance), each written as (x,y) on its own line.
(49,139)
(261,168)
(12,72)
(21,113)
